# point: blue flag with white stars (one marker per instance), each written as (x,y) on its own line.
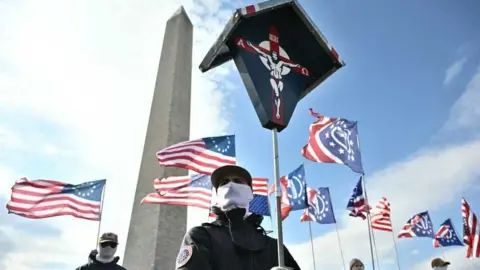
(259,205)
(341,142)
(334,140)
(320,207)
(50,198)
(446,235)
(419,225)
(297,188)
(91,191)
(202,155)
(224,145)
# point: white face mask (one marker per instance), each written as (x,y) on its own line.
(233,195)
(106,252)
(358,268)
(440,268)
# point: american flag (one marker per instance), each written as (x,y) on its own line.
(320,207)
(294,191)
(259,205)
(196,192)
(446,236)
(202,156)
(39,199)
(356,204)
(334,140)
(471,231)
(419,225)
(381,216)
(285,206)
(171,182)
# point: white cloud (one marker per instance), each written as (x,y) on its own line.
(454,70)
(444,173)
(455,167)
(50,149)
(90,67)
(5,185)
(10,140)
(466,112)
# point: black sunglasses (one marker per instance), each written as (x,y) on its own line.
(108,244)
(237,180)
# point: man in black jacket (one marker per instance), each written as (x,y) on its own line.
(104,259)
(235,240)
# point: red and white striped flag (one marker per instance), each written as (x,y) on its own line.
(171,182)
(381,216)
(47,198)
(471,231)
(406,231)
(197,192)
(285,205)
(202,156)
(442,232)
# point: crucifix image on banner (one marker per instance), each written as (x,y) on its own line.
(277,61)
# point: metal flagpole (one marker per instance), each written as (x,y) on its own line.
(311,242)
(340,245)
(396,251)
(270,210)
(278,195)
(443,253)
(368,223)
(375,247)
(101,213)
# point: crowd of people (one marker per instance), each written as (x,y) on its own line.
(235,240)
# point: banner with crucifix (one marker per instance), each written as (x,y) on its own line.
(280,54)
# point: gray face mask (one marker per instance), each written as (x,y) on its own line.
(358,268)
(233,195)
(106,252)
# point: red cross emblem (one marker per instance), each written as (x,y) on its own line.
(279,64)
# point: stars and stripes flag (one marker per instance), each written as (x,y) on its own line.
(334,140)
(259,204)
(171,182)
(202,156)
(380,216)
(446,235)
(357,204)
(294,191)
(471,231)
(420,225)
(39,199)
(320,207)
(195,191)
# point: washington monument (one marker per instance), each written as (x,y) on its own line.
(156,231)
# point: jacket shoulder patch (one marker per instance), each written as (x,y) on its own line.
(184,255)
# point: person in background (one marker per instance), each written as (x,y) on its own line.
(356,264)
(105,258)
(235,240)
(439,264)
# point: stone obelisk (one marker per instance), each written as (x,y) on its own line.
(156,231)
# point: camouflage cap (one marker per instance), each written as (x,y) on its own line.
(109,237)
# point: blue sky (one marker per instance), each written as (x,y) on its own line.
(75,109)
(394,83)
